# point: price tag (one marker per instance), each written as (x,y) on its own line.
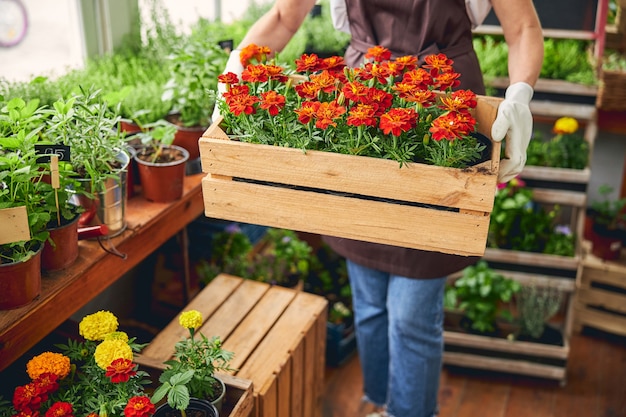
(62,151)
(14,225)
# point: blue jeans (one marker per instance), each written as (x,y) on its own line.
(399,324)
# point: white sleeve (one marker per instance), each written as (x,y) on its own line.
(477,10)
(339,15)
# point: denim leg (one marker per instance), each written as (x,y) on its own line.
(369,295)
(400,339)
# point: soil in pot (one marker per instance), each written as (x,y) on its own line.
(196,408)
(64,250)
(162,178)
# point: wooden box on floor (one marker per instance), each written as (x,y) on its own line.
(278,336)
(427,207)
(601,295)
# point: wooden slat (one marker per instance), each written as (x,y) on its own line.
(503,345)
(503,365)
(608,322)
(548,33)
(529,258)
(310,353)
(285,385)
(574,176)
(602,298)
(325,214)
(470,189)
(298,389)
(567,198)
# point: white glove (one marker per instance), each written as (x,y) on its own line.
(514,118)
(339,15)
(232,65)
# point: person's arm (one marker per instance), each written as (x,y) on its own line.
(524,37)
(276,28)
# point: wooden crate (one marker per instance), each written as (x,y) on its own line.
(601,295)
(278,336)
(612,91)
(418,206)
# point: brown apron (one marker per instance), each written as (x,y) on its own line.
(421,28)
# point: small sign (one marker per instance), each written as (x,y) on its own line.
(14,225)
(228,45)
(62,151)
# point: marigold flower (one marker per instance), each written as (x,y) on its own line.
(325,81)
(117,336)
(438,64)
(378,53)
(253,52)
(272,102)
(308,63)
(120,370)
(397,121)
(408,62)
(139,407)
(449,126)
(48,362)
(47,382)
(27,413)
(97,325)
(255,74)
(333,64)
(191,319)
(418,77)
(28,397)
(362,115)
(565,125)
(307,90)
(447,80)
(382,100)
(110,350)
(60,409)
(355,91)
(229,78)
(326,114)
(242,103)
(307,111)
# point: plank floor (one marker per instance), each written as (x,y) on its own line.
(595,386)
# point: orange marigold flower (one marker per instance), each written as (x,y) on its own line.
(60,409)
(380,73)
(120,370)
(438,64)
(408,62)
(412,94)
(326,114)
(255,74)
(447,80)
(333,64)
(139,406)
(253,52)
(228,78)
(355,91)
(363,74)
(362,115)
(307,90)
(307,111)
(418,77)
(275,72)
(308,63)
(325,81)
(399,120)
(378,53)
(272,102)
(382,100)
(48,362)
(464,100)
(392,68)
(451,126)
(242,103)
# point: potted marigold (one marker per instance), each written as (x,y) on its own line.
(92,377)
(385,132)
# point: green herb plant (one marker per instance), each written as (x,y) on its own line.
(536,305)
(608,212)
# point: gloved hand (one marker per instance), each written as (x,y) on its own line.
(233,64)
(514,118)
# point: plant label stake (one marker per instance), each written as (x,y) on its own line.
(54,181)
(14,222)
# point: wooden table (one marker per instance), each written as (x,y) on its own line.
(64,292)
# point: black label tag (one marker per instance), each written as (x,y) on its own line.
(62,151)
(228,45)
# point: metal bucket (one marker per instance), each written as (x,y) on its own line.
(108,207)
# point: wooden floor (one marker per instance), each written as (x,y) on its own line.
(596,386)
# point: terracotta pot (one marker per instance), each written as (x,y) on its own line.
(129,127)
(187,137)
(196,408)
(608,248)
(162,182)
(20,282)
(65,249)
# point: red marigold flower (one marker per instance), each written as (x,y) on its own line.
(447,80)
(327,113)
(272,102)
(392,68)
(382,100)
(60,409)
(47,382)
(120,370)
(236,90)
(308,63)
(139,407)
(399,120)
(362,115)
(28,397)
(378,53)
(458,102)
(450,126)
(380,73)
(333,64)
(464,121)
(408,62)
(363,74)
(255,74)
(438,64)
(228,78)
(242,103)
(412,94)
(27,413)
(275,72)
(307,111)
(307,90)
(325,81)
(355,91)
(418,77)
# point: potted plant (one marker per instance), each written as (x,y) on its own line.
(191,371)
(161,164)
(93,376)
(99,157)
(566,149)
(535,306)
(191,88)
(607,216)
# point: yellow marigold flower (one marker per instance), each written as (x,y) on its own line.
(565,125)
(109,350)
(191,319)
(48,362)
(97,325)
(117,336)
